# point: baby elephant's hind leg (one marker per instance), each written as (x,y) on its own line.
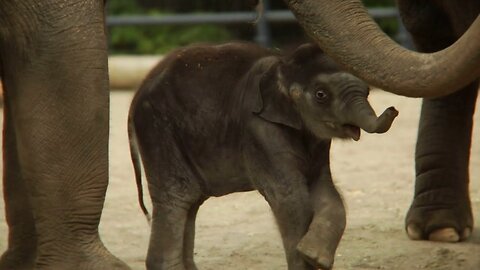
(175,194)
(171,239)
(189,239)
(166,238)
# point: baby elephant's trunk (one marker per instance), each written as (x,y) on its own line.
(362,115)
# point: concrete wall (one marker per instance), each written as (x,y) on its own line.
(127,72)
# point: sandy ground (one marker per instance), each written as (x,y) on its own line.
(375,176)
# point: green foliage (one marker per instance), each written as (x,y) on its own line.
(156,39)
(123,7)
(390,25)
(161,39)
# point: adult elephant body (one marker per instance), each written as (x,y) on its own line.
(446,73)
(53,62)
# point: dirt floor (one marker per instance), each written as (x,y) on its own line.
(375,176)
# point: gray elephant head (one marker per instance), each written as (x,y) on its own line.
(307,90)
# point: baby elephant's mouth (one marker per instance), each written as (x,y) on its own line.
(342,131)
(352,131)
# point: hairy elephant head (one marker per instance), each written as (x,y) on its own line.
(308,90)
(345,31)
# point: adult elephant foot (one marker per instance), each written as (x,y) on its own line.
(92,256)
(15,259)
(444,224)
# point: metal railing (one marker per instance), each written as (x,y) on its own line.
(261,23)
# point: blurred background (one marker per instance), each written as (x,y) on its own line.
(155,27)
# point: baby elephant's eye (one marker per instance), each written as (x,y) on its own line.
(321,95)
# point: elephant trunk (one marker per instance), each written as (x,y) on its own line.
(362,115)
(345,31)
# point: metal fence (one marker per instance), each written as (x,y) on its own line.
(261,23)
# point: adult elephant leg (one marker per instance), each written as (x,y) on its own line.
(54,62)
(441,209)
(22,242)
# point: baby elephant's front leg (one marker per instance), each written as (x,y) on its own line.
(276,167)
(292,210)
(286,191)
(319,244)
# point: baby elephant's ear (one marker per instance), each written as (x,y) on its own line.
(304,53)
(250,84)
(268,101)
(305,62)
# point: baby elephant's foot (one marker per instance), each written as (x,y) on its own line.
(315,254)
(319,244)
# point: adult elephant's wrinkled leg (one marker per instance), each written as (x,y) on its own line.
(54,61)
(441,209)
(22,242)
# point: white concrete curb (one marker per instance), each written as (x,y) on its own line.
(127,71)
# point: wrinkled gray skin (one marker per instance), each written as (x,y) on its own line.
(53,63)
(212,120)
(446,73)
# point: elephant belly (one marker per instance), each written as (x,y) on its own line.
(222,171)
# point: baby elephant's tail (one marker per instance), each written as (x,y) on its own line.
(137,167)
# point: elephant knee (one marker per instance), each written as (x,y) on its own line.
(294,200)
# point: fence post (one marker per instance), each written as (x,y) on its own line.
(262,36)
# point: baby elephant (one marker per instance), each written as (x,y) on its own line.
(212,120)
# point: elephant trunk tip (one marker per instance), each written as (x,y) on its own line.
(391,110)
(385,120)
(382,124)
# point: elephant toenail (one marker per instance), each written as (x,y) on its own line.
(466,233)
(413,232)
(444,235)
